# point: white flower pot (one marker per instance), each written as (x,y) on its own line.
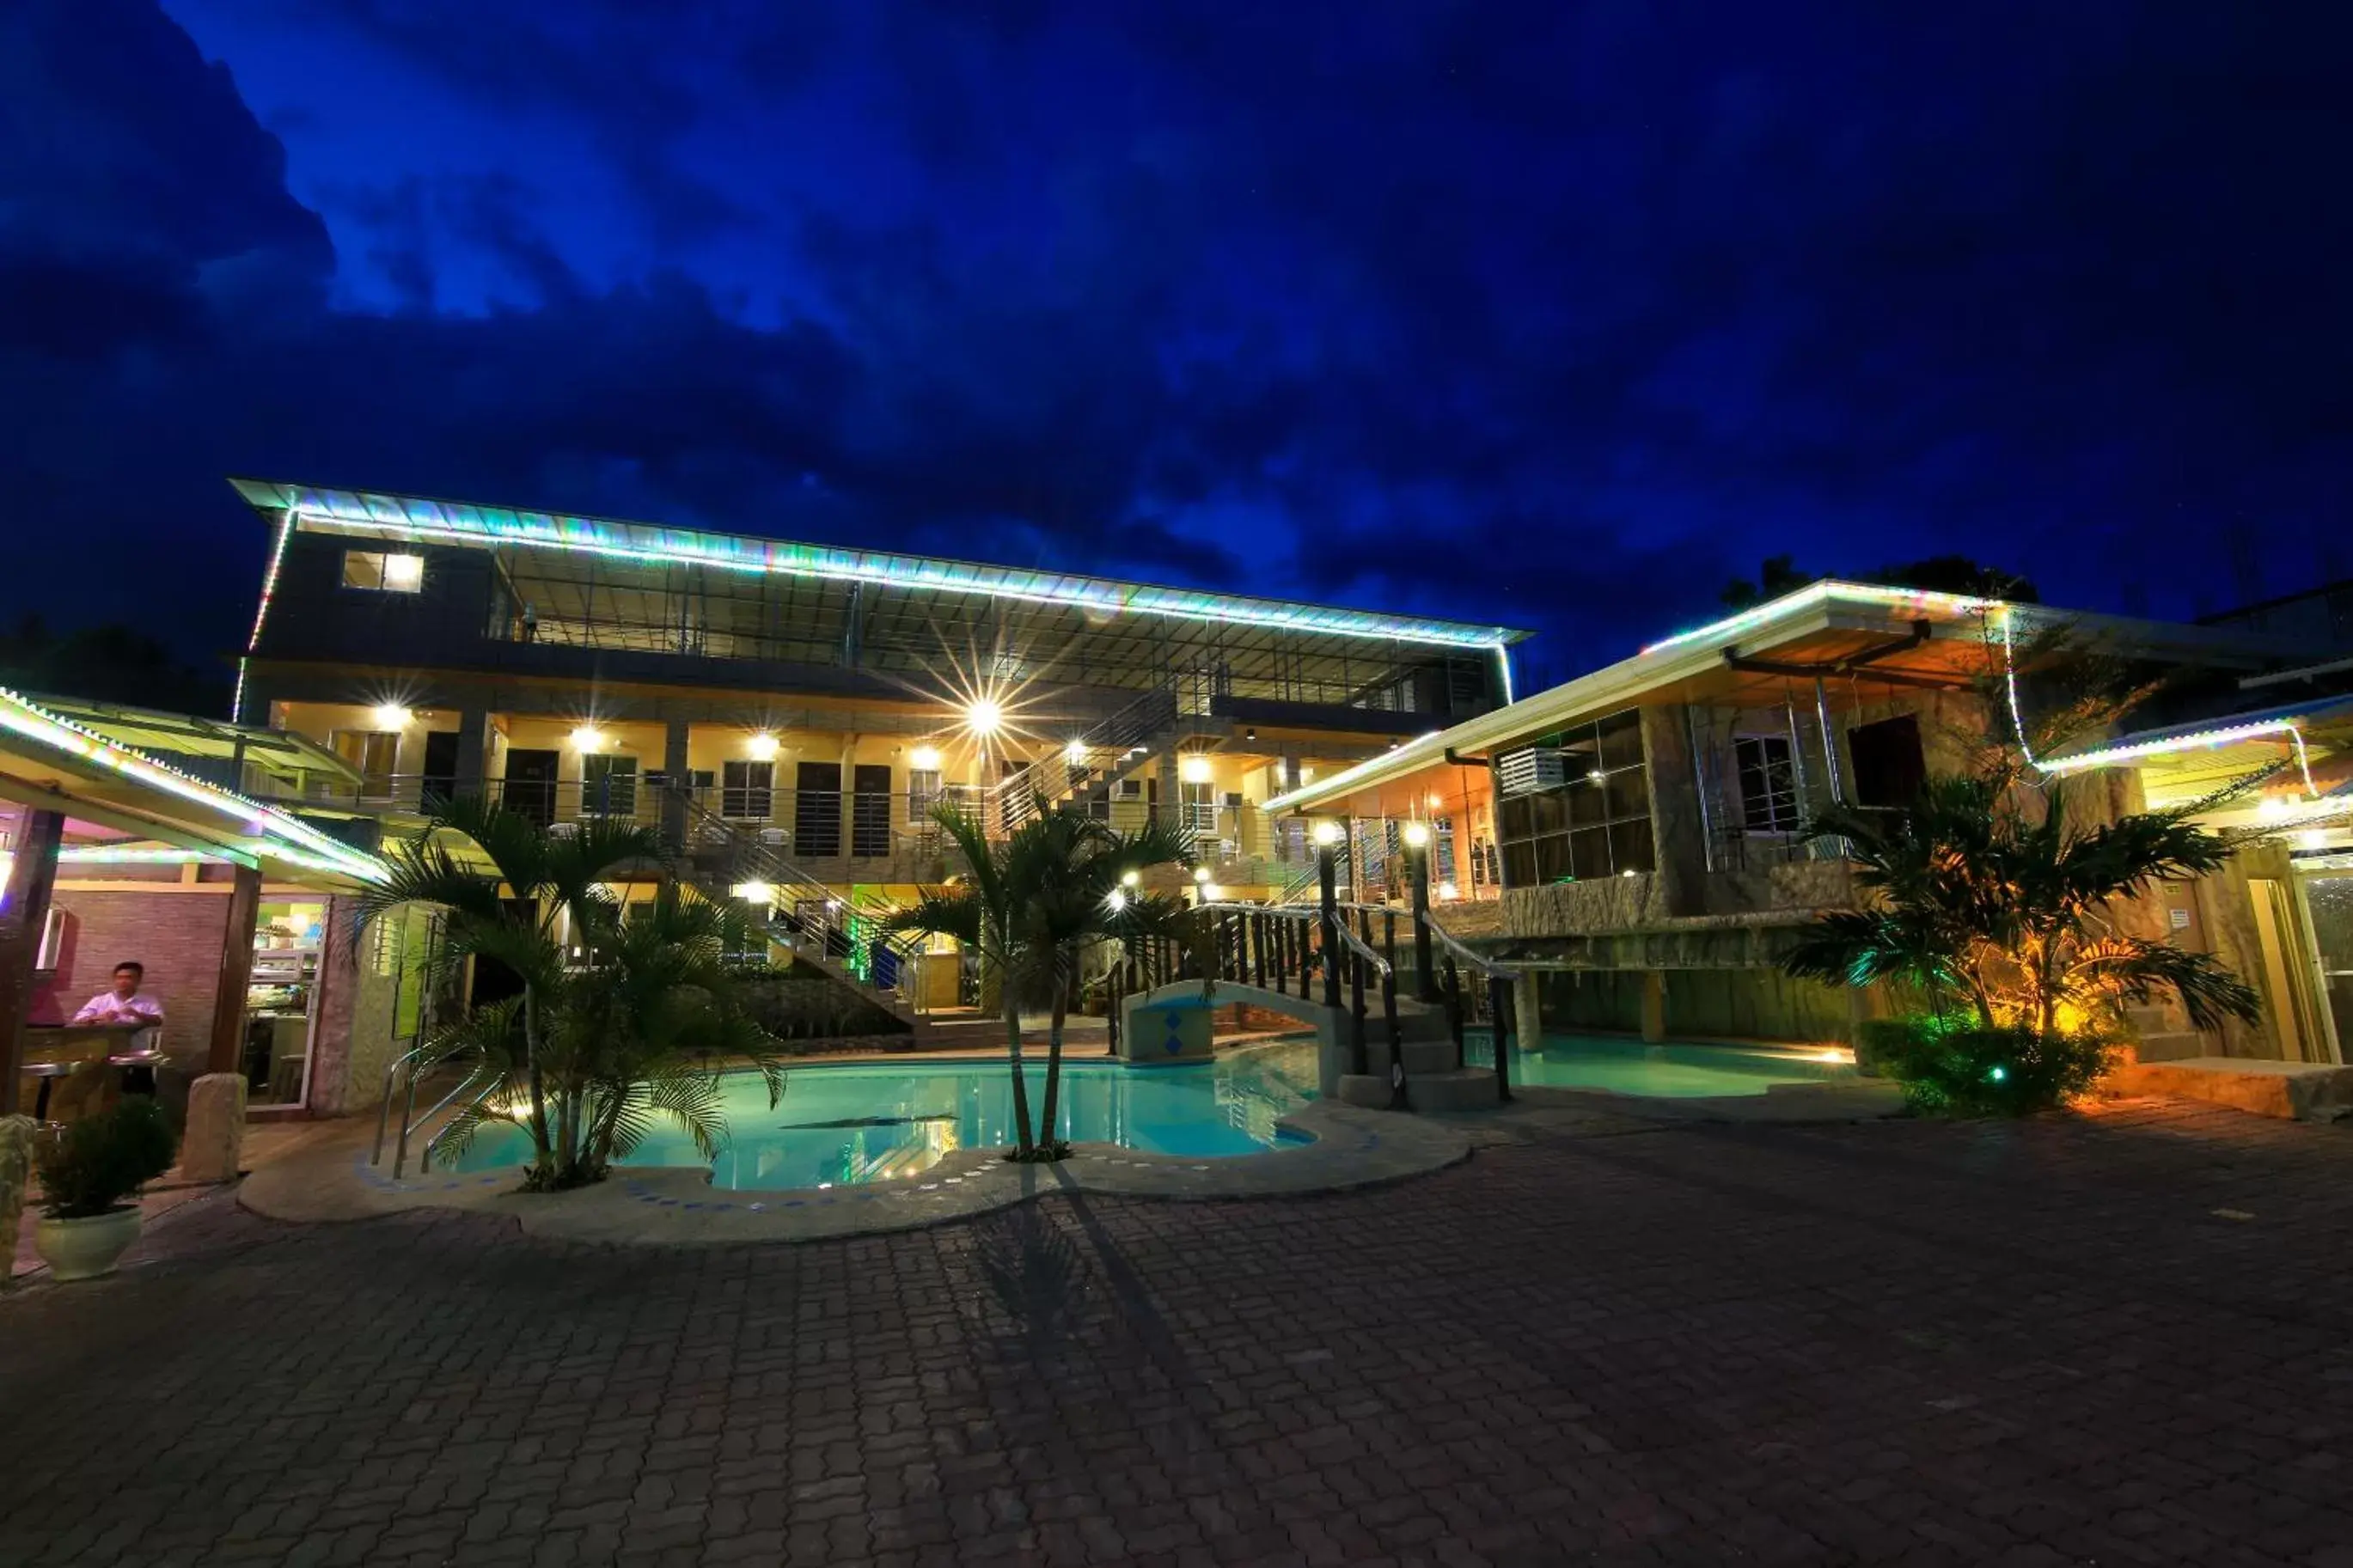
(85,1248)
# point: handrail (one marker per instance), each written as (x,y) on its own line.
(425,1155)
(383,1105)
(1492,968)
(1306,912)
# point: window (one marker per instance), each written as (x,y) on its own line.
(748,791)
(375,754)
(1595,823)
(1889,767)
(609,785)
(1768,784)
(922,792)
(383,573)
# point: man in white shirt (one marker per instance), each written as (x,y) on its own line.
(124,1002)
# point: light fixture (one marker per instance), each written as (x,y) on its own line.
(587,738)
(761,747)
(404,574)
(1448,891)
(2271,808)
(926,759)
(1194,768)
(390,716)
(1436,800)
(1211,893)
(983,716)
(754,892)
(1628,872)
(1075,753)
(1130,879)
(1117,900)
(1416,834)
(1201,874)
(2314,838)
(1595,775)
(1327,833)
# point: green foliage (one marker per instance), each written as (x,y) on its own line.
(1030,905)
(94,1164)
(1955,1067)
(1980,891)
(596,1047)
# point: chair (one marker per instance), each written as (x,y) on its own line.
(139,1058)
(48,1073)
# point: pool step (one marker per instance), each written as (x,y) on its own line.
(1454,1088)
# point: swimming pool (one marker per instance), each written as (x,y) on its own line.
(847,1123)
(1668,1071)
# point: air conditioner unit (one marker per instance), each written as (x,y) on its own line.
(1532,770)
(1131,789)
(774,837)
(1233,800)
(562,830)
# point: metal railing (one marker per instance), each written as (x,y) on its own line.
(400,1079)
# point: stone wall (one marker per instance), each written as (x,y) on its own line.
(1747,1004)
(353,1040)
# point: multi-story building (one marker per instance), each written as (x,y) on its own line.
(1635,837)
(792,713)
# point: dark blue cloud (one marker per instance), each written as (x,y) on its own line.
(1554,313)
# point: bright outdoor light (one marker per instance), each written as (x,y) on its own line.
(587,738)
(761,748)
(984,716)
(1595,775)
(1200,873)
(927,759)
(1130,879)
(1118,898)
(1416,834)
(390,716)
(1327,833)
(1075,753)
(1436,800)
(1194,770)
(1211,893)
(754,892)
(1448,891)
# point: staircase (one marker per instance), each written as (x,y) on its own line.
(839,937)
(1103,753)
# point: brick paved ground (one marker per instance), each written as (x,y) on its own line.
(2122,1340)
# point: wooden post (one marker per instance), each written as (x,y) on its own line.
(23,915)
(236,971)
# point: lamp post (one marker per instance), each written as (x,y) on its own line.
(1416,871)
(1327,836)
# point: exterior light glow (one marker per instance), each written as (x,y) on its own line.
(1075,753)
(754,892)
(1815,592)
(587,738)
(1625,873)
(983,717)
(1201,874)
(1327,833)
(1416,834)
(109,855)
(1437,801)
(927,759)
(761,748)
(1448,891)
(2208,740)
(390,716)
(1211,893)
(1194,768)
(1118,898)
(262,613)
(1130,879)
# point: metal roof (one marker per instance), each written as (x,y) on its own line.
(422,519)
(192,735)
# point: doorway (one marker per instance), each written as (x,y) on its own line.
(281,1001)
(816,810)
(530,790)
(2279,939)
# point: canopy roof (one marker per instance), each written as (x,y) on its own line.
(192,735)
(49,762)
(422,519)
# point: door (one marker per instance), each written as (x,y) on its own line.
(2329,900)
(530,788)
(869,811)
(2290,1008)
(440,768)
(608,787)
(817,811)
(748,791)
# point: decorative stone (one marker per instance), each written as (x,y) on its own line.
(215,1137)
(15,1167)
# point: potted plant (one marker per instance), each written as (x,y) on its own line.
(90,1176)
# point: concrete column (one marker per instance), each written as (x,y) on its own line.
(1527,1009)
(214,1139)
(848,794)
(1678,827)
(680,778)
(236,971)
(1655,1006)
(473,751)
(1172,788)
(23,915)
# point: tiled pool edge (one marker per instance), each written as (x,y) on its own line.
(678,1206)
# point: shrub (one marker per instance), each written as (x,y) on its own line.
(1956,1067)
(95,1163)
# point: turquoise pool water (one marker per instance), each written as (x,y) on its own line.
(843,1124)
(1668,1071)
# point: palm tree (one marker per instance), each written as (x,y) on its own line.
(590,1047)
(1032,905)
(1975,891)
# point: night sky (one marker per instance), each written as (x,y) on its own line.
(1558,315)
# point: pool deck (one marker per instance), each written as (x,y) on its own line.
(331,1179)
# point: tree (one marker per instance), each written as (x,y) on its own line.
(590,1049)
(1031,904)
(1981,893)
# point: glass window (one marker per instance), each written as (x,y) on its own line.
(382,572)
(749,790)
(1596,822)
(1768,784)
(609,785)
(375,754)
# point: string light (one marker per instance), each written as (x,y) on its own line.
(260,612)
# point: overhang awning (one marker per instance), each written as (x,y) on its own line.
(277,752)
(48,761)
